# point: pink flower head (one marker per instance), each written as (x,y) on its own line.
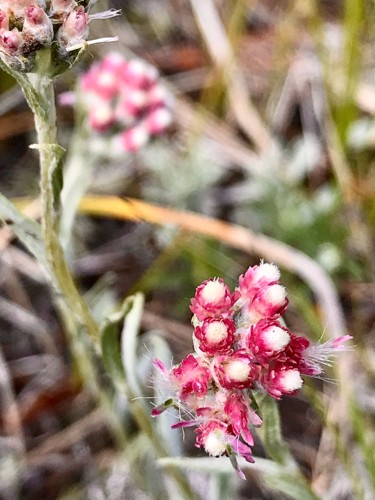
(217,441)
(35,15)
(103,78)
(212,299)
(240,345)
(132,103)
(270,302)
(158,120)
(191,377)
(236,371)
(240,415)
(75,27)
(213,437)
(216,336)
(10,41)
(138,74)
(132,139)
(38,25)
(282,380)
(256,278)
(101,117)
(157,96)
(267,338)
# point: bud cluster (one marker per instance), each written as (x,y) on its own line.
(27,26)
(240,345)
(125,102)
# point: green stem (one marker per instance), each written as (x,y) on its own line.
(50,154)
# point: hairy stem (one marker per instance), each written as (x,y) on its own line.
(50,155)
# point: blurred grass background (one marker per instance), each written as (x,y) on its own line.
(274,130)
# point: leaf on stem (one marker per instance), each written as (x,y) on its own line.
(274,475)
(129,343)
(111,343)
(28,90)
(273,441)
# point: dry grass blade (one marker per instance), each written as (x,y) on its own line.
(236,236)
(221,52)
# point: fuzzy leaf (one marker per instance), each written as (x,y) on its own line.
(110,341)
(129,343)
(273,441)
(275,476)
(28,90)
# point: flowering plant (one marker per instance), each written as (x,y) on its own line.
(27,26)
(240,345)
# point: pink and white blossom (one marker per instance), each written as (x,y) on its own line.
(216,335)
(267,338)
(241,346)
(212,300)
(236,370)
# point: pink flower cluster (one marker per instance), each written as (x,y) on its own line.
(240,345)
(29,25)
(125,101)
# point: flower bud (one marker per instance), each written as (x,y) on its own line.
(236,371)
(267,338)
(256,278)
(10,41)
(270,302)
(216,335)
(74,29)
(134,139)
(158,120)
(37,26)
(101,117)
(140,75)
(282,380)
(213,437)
(212,299)
(192,377)
(36,22)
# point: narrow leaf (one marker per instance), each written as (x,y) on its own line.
(111,344)
(28,90)
(274,475)
(273,441)
(129,343)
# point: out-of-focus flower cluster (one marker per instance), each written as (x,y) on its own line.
(240,345)
(27,26)
(124,101)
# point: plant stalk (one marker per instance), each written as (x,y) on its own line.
(50,154)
